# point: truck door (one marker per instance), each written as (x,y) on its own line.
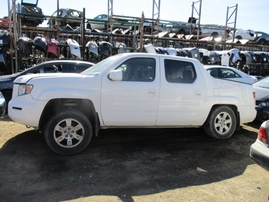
(134,100)
(182,94)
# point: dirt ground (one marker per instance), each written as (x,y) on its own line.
(138,165)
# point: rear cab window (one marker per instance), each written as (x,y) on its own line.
(179,71)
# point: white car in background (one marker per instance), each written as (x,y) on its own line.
(262,88)
(230,73)
(213,31)
(243,34)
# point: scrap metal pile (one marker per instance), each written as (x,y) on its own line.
(105,36)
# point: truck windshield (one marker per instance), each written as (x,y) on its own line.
(100,66)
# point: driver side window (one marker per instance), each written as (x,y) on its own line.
(138,69)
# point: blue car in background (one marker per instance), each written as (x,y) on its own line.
(53,66)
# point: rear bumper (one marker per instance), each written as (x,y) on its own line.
(259,153)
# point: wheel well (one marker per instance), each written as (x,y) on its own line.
(83,105)
(234,108)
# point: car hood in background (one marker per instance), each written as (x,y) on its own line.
(261,92)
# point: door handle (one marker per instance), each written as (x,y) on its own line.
(151,92)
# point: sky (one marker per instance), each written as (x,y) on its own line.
(251,14)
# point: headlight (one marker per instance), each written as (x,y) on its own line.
(25,89)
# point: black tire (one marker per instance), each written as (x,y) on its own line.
(147,30)
(262,42)
(68,127)
(215,35)
(221,123)
(181,31)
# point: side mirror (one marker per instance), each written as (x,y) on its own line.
(115,75)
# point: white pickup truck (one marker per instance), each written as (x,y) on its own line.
(133,90)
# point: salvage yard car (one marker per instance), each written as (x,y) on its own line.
(29,13)
(243,34)
(262,107)
(129,90)
(262,99)
(101,22)
(259,150)
(230,73)
(261,88)
(68,16)
(214,31)
(261,38)
(180,28)
(54,66)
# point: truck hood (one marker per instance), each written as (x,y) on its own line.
(63,85)
(26,78)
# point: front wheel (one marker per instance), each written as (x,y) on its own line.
(221,123)
(68,132)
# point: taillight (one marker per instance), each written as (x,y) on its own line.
(262,135)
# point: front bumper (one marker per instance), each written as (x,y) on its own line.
(259,153)
(27,112)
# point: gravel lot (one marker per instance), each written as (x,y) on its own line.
(132,165)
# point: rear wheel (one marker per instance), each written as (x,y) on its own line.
(221,123)
(68,132)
